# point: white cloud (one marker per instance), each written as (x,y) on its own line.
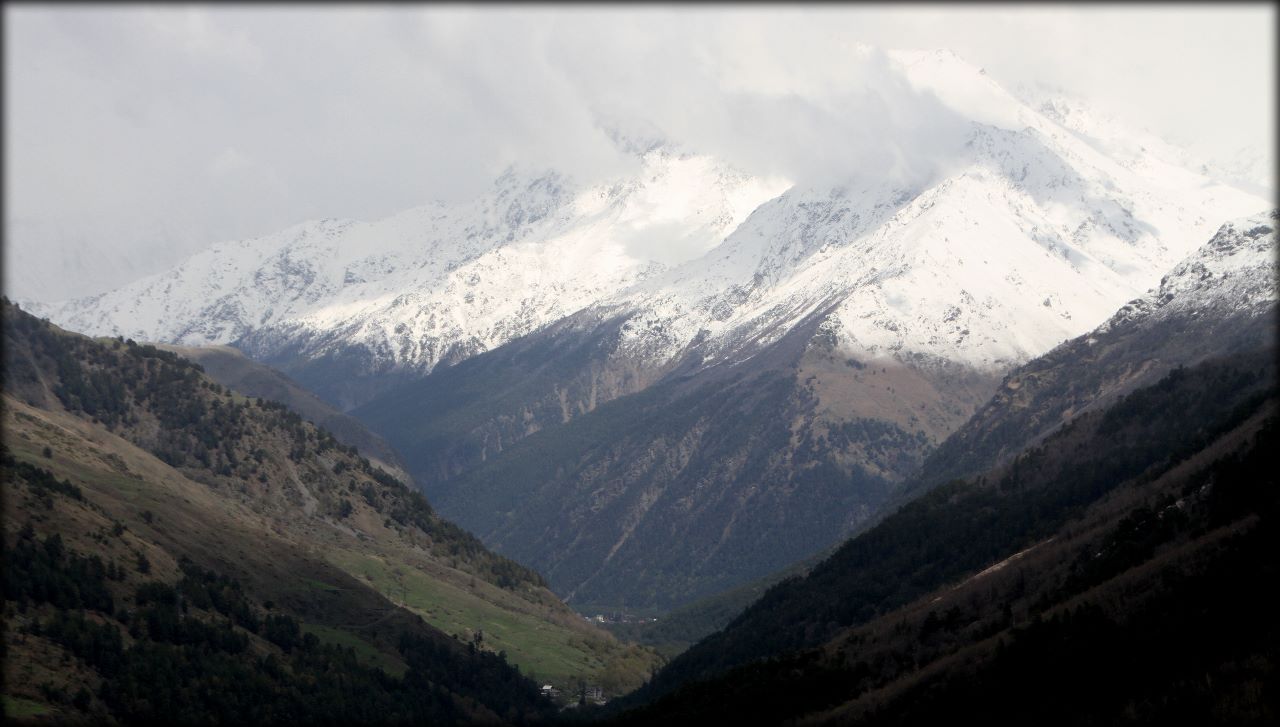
(124,124)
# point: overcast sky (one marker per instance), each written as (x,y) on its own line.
(135,135)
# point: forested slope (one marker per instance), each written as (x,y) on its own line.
(136,476)
(1114,533)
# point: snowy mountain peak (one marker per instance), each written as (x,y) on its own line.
(1234,272)
(439,281)
(1037,223)
(961,86)
(1033,238)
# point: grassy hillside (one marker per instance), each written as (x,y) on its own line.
(182,467)
(83,641)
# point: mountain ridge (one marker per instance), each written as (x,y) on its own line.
(423,288)
(235,479)
(231,368)
(878,308)
(1219,299)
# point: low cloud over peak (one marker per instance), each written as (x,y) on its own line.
(225,123)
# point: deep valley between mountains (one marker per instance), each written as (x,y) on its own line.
(993,443)
(801,536)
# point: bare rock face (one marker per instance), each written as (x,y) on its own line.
(706,478)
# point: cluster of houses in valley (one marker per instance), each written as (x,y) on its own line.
(588,693)
(620,618)
(591,693)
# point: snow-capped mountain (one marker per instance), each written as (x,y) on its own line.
(700,480)
(1039,233)
(437,280)
(643,386)
(1248,167)
(1234,273)
(1038,226)
(1219,300)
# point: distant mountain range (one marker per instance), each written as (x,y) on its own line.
(982,430)
(662,386)
(1049,204)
